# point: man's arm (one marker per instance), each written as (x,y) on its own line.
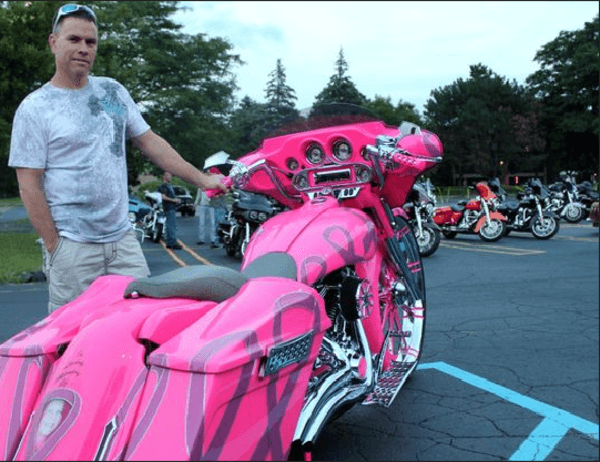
(32,193)
(162,154)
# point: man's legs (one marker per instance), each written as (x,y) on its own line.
(171,227)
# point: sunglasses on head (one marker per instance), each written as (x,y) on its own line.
(71,8)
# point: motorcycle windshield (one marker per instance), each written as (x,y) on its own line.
(321,116)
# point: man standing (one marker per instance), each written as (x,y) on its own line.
(68,149)
(170,208)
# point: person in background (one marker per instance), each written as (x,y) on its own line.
(170,208)
(219,204)
(206,217)
(68,150)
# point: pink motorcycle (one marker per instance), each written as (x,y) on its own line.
(205,362)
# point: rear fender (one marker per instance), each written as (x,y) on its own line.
(224,389)
(483,219)
(321,236)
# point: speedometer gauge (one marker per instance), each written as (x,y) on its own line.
(315,154)
(342,150)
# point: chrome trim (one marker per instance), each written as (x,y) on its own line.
(335,389)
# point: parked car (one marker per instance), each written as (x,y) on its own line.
(594,214)
(186,206)
(137,209)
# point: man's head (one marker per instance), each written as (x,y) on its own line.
(167,177)
(74,42)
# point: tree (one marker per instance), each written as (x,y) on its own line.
(477,120)
(280,99)
(394,115)
(247,126)
(340,88)
(567,86)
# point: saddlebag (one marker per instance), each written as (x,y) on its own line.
(232,385)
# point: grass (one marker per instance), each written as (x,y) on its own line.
(19,254)
(10,201)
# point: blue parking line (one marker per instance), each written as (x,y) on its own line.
(541,441)
(547,435)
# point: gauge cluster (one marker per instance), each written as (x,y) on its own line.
(335,164)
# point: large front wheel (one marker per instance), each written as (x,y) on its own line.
(492,230)
(544,228)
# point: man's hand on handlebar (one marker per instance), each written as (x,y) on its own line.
(216,182)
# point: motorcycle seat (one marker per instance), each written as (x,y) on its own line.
(511,206)
(211,282)
(201,282)
(459,207)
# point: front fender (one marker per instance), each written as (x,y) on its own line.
(483,219)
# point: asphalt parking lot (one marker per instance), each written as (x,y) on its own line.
(510,363)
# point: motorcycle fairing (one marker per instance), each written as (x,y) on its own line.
(321,237)
(483,219)
(446,215)
(214,375)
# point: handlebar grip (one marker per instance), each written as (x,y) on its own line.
(227,181)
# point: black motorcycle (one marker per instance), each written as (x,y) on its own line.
(586,196)
(419,206)
(527,214)
(564,200)
(248,211)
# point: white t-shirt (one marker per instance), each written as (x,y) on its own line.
(78,138)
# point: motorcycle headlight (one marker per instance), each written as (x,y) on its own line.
(132,217)
(262,216)
(253,215)
(429,208)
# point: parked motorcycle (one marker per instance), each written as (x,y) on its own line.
(247,212)
(586,196)
(527,214)
(564,200)
(477,216)
(418,210)
(154,222)
(205,362)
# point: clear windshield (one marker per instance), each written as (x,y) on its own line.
(322,116)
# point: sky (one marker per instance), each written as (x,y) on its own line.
(402,50)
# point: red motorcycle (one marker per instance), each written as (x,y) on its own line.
(477,216)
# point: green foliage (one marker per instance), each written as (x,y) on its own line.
(340,88)
(567,85)
(394,115)
(481,121)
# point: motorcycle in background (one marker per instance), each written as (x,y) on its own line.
(247,212)
(564,200)
(418,210)
(477,216)
(154,222)
(205,362)
(527,214)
